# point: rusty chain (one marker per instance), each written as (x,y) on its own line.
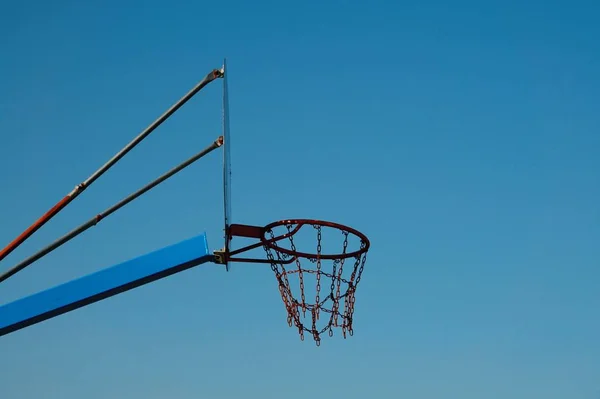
(293,306)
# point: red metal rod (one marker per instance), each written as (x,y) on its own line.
(214,74)
(34,227)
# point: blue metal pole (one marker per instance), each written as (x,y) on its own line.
(104,284)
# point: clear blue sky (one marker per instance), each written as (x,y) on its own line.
(462,137)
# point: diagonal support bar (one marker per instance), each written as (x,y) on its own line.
(104,284)
(101,216)
(60,205)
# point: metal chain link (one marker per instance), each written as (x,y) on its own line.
(299,266)
(318,300)
(284,285)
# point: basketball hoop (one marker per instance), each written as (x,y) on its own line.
(329,268)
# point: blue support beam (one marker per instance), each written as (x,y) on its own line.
(104,284)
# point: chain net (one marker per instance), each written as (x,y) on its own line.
(336,283)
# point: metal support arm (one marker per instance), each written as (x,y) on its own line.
(104,284)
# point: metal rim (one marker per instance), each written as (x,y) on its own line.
(312,222)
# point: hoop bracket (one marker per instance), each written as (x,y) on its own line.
(248,231)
